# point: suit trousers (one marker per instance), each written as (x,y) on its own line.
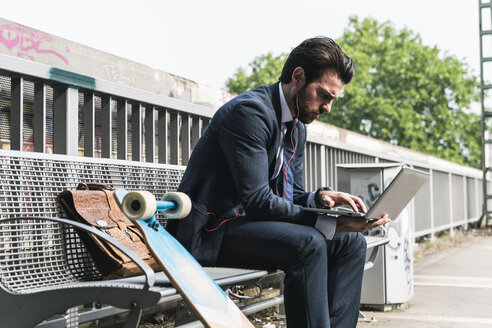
(323,278)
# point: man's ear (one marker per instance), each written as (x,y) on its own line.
(298,76)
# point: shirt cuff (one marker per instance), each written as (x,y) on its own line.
(326,225)
(310,201)
(316,195)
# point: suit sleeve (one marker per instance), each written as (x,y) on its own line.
(244,138)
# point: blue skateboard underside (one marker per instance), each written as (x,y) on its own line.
(187,275)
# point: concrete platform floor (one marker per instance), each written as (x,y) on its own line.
(453,288)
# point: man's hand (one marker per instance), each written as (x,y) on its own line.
(350,224)
(329,198)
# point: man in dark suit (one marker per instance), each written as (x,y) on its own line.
(246,183)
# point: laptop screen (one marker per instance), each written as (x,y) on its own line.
(399,193)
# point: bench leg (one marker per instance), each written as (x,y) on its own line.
(72,317)
(133,318)
(363,318)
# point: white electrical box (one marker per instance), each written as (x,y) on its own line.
(389,283)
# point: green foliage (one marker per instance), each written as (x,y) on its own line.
(263,69)
(407,93)
(403,92)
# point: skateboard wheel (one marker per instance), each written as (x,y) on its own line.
(139,205)
(183,205)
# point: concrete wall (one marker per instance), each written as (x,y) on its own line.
(31,44)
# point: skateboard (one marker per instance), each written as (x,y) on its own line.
(209,302)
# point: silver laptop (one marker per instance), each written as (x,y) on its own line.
(393,200)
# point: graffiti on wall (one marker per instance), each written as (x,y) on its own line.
(34,45)
(120,73)
(28,42)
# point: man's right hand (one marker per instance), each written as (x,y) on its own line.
(350,224)
(330,198)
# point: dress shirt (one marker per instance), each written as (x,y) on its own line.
(325,224)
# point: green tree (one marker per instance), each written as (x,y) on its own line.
(403,92)
(408,93)
(264,69)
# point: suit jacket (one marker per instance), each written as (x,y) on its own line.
(231,165)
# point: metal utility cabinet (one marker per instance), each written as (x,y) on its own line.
(390,282)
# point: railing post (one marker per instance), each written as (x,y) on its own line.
(89,124)
(307,167)
(65,120)
(431,187)
(332,168)
(311,166)
(185,138)
(16,113)
(39,119)
(149,133)
(106,128)
(162,134)
(465,195)
(315,167)
(477,201)
(174,136)
(322,165)
(451,205)
(335,173)
(136,132)
(196,130)
(122,129)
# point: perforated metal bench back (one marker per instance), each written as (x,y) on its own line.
(34,254)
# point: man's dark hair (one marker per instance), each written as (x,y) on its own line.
(316,56)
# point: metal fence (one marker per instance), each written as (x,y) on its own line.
(45,109)
(451,198)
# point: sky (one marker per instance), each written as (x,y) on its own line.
(206,41)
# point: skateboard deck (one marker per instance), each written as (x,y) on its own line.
(209,302)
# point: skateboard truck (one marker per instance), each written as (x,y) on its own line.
(154,224)
(142,205)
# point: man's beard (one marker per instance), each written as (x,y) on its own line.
(305,116)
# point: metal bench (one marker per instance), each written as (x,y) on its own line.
(46,274)
(44,267)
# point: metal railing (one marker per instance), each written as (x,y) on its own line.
(451,198)
(45,109)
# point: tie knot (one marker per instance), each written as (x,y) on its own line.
(290,125)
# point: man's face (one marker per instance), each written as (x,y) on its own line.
(318,96)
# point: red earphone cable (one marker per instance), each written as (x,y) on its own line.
(294,147)
(223,221)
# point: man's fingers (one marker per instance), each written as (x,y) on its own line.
(382,219)
(350,224)
(361,204)
(327,201)
(353,205)
(355,202)
(333,198)
(383,216)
